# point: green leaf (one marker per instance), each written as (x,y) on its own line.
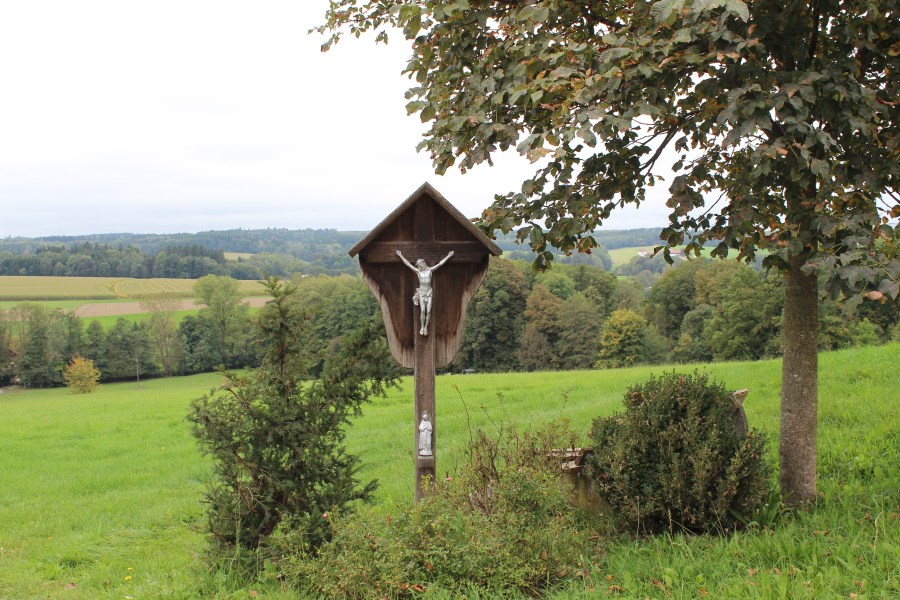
(613,54)
(739,9)
(427,113)
(458,6)
(562,73)
(820,168)
(416,106)
(663,9)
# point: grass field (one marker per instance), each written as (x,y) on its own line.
(101,495)
(179,315)
(620,256)
(14,288)
(110,320)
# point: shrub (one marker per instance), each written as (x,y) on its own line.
(503,524)
(81,376)
(675,460)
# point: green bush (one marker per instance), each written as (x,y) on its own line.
(674,459)
(503,524)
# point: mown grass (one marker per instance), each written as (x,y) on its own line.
(95,485)
(178,315)
(99,488)
(16,288)
(110,320)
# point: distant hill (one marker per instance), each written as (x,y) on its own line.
(251,253)
(301,243)
(608,238)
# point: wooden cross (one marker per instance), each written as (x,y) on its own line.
(425,227)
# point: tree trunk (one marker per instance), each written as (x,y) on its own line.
(799,386)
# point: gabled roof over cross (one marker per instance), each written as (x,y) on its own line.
(465,251)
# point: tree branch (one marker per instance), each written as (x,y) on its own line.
(814,37)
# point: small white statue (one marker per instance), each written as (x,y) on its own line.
(425,431)
(424,296)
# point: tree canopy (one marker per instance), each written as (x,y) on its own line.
(762,103)
(777,122)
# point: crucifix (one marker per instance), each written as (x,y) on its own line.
(424,296)
(424,306)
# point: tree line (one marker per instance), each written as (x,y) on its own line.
(280,252)
(36,342)
(192,261)
(581,317)
(572,317)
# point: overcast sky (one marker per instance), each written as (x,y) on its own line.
(188,115)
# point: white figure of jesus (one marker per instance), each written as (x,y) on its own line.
(424,296)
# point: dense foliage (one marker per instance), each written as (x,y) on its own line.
(502,524)
(276,438)
(776,110)
(674,460)
(777,124)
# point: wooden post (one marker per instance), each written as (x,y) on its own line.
(424,376)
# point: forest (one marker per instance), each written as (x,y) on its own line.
(261,252)
(570,317)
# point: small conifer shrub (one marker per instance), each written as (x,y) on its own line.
(674,459)
(276,438)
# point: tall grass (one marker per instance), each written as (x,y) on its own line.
(101,495)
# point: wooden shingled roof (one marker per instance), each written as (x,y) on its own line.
(426,189)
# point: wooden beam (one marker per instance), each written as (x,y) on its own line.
(386,252)
(424,378)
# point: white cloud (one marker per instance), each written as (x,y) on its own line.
(190,115)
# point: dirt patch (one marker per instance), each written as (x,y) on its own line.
(114,309)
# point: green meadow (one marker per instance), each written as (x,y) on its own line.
(101,494)
(620,256)
(110,320)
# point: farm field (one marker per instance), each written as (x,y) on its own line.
(16,288)
(620,256)
(60,304)
(102,494)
